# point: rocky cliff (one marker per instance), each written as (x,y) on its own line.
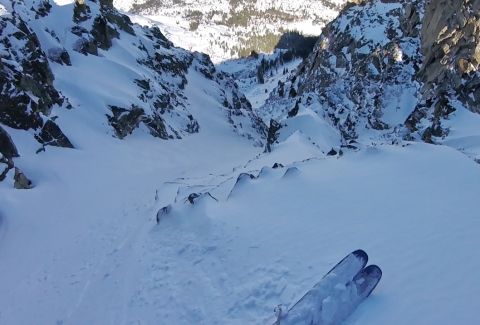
(449,75)
(390,70)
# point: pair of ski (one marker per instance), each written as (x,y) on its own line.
(336,296)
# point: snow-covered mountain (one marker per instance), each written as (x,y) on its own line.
(391,71)
(227,29)
(158,195)
(89,61)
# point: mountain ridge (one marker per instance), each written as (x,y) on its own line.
(375,75)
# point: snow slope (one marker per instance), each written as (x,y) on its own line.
(121,77)
(68,246)
(92,252)
(277,235)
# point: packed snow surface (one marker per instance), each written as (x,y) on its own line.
(83,247)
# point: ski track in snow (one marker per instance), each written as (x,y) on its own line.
(83,246)
(265,242)
(193,249)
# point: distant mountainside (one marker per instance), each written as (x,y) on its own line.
(230,28)
(392,71)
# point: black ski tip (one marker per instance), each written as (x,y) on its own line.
(373,271)
(368,278)
(361,254)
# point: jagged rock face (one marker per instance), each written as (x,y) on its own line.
(397,68)
(239,111)
(51,135)
(162,108)
(126,121)
(161,105)
(272,134)
(5,166)
(357,65)
(26,78)
(98,31)
(451,46)
(7,147)
(450,74)
(8,150)
(27,94)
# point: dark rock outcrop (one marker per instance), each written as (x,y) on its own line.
(272,135)
(394,68)
(51,135)
(125,121)
(332,152)
(7,147)
(450,43)
(6,165)
(8,150)
(27,93)
(163,212)
(100,30)
(357,65)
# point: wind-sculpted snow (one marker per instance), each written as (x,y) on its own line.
(259,239)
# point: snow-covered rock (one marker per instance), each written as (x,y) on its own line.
(450,73)
(378,73)
(57,59)
(28,95)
